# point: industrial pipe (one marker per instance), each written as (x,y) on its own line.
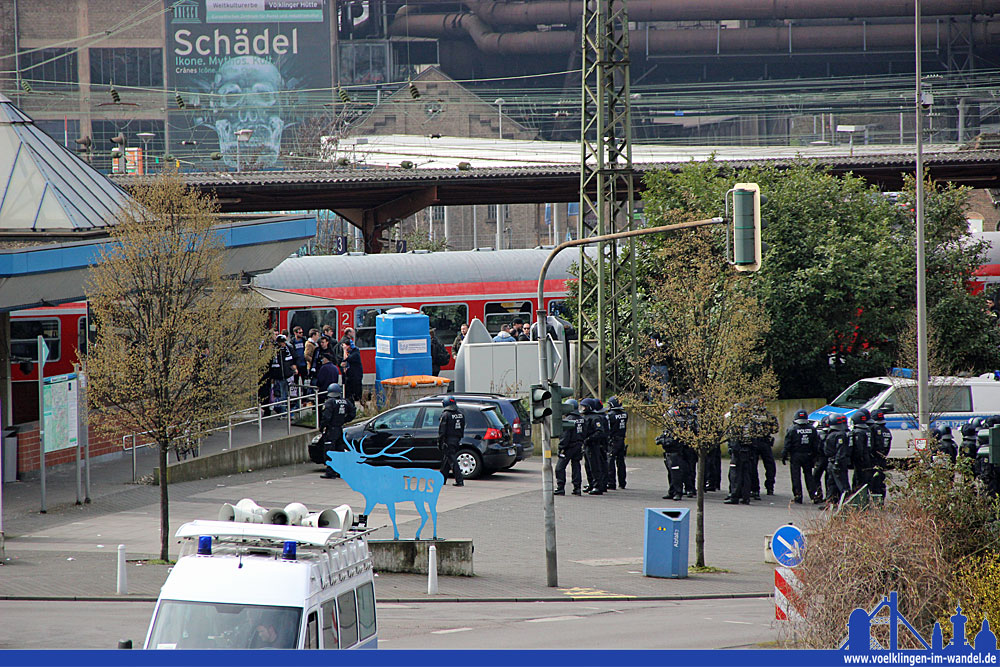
(862,37)
(569,12)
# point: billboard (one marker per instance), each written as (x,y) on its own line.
(243,69)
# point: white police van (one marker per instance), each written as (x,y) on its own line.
(260,585)
(952,401)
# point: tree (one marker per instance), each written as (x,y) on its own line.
(712,329)
(838,278)
(178,343)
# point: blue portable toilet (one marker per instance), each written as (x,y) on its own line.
(402,345)
(665,548)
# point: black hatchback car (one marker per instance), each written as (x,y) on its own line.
(512,410)
(486,448)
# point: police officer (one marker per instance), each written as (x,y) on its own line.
(970,431)
(337,411)
(945,441)
(690,424)
(762,426)
(801,445)
(674,461)
(861,457)
(595,434)
(617,424)
(570,448)
(880,446)
(819,471)
(451,430)
(838,455)
(740,445)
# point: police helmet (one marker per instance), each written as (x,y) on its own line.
(448,400)
(571,405)
(613,402)
(992,421)
(935,432)
(864,411)
(335,389)
(859,417)
(838,422)
(878,417)
(801,417)
(944,430)
(824,422)
(586,405)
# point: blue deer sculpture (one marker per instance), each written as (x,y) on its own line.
(388,486)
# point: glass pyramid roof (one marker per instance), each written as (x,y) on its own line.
(45,187)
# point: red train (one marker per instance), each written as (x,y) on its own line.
(452,288)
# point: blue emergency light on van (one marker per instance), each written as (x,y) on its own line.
(953,401)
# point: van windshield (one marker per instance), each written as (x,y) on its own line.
(199,625)
(858,394)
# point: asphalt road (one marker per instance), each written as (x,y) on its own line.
(695,624)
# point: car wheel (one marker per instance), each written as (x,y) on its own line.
(470,462)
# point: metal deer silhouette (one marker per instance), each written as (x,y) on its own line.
(388,486)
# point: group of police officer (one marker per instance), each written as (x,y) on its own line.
(596,435)
(974,446)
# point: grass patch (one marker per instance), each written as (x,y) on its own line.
(707,569)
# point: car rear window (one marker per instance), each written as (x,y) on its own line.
(521,411)
(494,418)
(474,419)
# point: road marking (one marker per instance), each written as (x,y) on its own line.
(449,631)
(580,593)
(738,622)
(635,560)
(549,619)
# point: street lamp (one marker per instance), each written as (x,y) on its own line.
(850,130)
(923,418)
(500,102)
(146,137)
(242,136)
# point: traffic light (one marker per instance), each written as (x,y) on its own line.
(748,250)
(558,395)
(539,403)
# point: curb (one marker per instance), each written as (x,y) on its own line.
(582,598)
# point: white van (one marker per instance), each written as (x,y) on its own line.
(952,401)
(253,585)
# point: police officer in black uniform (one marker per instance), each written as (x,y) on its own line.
(801,445)
(945,441)
(861,456)
(451,430)
(838,455)
(617,424)
(970,443)
(880,446)
(690,424)
(570,448)
(674,461)
(819,470)
(595,434)
(740,444)
(337,411)
(762,427)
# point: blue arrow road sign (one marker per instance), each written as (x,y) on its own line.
(788,545)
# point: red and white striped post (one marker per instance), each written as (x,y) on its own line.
(788,602)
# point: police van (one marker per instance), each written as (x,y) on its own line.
(242,584)
(952,401)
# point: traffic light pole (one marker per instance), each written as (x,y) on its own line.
(541,331)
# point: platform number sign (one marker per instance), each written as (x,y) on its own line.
(401,245)
(788,545)
(341,245)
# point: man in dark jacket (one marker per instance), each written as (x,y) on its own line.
(570,449)
(337,411)
(451,430)
(282,369)
(675,463)
(739,438)
(439,354)
(801,445)
(352,371)
(837,448)
(326,374)
(617,424)
(763,425)
(595,443)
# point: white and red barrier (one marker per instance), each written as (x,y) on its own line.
(788,602)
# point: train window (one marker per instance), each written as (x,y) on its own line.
(24,335)
(364,325)
(502,312)
(81,336)
(447,319)
(313,318)
(558,308)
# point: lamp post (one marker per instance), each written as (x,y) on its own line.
(922,374)
(242,136)
(500,102)
(146,137)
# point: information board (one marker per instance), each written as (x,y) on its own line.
(61,412)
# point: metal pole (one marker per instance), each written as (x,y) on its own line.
(446,225)
(555,223)
(134,470)
(260,423)
(41,416)
(84,433)
(475,229)
(122,587)
(541,324)
(922,374)
(288,410)
(229,429)
(499,244)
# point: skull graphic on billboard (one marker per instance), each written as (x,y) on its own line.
(247,95)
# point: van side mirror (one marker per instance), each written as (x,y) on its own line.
(888,407)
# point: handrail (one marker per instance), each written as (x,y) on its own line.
(230,424)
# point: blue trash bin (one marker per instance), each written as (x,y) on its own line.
(665,549)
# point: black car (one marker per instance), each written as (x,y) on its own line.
(486,447)
(511,408)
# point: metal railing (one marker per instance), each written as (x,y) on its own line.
(291,405)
